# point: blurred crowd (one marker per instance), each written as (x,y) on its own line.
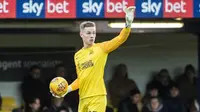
(163,92)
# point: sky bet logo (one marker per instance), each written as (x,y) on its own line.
(7,8)
(97,8)
(115,8)
(166,8)
(149,8)
(90,9)
(30,9)
(60,8)
(178,8)
(46,8)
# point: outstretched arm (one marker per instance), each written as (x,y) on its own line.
(113,44)
(73,86)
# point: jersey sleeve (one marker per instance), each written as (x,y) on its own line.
(113,44)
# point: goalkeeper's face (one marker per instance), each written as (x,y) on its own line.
(88,35)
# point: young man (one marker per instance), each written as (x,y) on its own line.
(90,62)
(155,105)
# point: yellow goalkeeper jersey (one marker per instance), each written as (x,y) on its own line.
(90,64)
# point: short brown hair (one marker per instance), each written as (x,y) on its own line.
(87,24)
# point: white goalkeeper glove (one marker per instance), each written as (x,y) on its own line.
(129,15)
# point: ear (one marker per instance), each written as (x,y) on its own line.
(81,34)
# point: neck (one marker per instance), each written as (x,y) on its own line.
(87,46)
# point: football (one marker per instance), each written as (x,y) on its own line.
(58,86)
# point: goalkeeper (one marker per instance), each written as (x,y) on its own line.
(90,62)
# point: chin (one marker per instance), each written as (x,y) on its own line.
(90,43)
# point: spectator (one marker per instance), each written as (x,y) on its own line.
(118,91)
(32,86)
(131,103)
(58,103)
(187,83)
(60,71)
(155,105)
(164,83)
(174,102)
(152,91)
(33,105)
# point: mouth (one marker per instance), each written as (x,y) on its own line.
(91,40)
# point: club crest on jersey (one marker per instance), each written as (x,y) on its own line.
(87,64)
(91,52)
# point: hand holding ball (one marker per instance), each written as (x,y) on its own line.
(58,87)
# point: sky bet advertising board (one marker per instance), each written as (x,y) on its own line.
(72,9)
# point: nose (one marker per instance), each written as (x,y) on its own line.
(92,35)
